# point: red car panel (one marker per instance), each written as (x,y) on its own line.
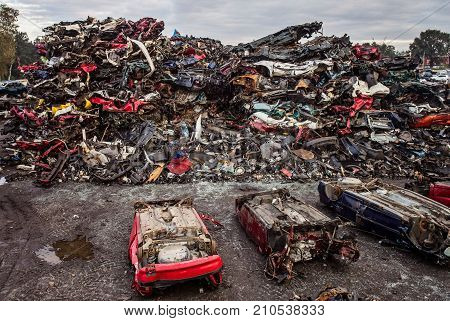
(440,192)
(366,52)
(254,229)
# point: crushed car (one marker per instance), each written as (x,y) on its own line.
(402,216)
(13,88)
(290,231)
(169,244)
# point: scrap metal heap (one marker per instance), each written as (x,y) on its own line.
(115,100)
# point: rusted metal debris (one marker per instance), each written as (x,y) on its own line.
(134,106)
(289,231)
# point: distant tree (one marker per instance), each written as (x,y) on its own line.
(8,31)
(385,50)
(8,19)
(432,44)
(25,53)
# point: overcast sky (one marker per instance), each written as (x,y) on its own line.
(234,21)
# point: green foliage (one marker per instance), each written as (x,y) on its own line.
(8,19)
(15,47)
(25,53)
(432,44)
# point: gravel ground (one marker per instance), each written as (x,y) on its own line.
(33,218)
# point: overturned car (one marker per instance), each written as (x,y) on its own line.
(289,231)
(169,243)
(402,216)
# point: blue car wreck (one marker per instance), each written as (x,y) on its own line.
(13,87)
(408,219)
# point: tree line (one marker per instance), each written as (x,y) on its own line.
(15,47)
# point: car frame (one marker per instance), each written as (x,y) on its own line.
(154,233)
(441,76)
(288,231)
(406,218)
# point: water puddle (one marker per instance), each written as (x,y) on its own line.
(79,248)
(64,250)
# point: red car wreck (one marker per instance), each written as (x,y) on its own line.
(440,192)
(289,231)
(169,243)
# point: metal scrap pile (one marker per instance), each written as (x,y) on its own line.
(329,109)
(114,100)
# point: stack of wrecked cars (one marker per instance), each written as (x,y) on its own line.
(114,100)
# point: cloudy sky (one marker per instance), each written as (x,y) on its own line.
(234,21)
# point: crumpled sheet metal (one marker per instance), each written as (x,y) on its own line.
(289,231)
(101,82)
(285,37)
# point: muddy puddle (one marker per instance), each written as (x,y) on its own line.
(66,250)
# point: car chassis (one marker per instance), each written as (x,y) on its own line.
(169,243)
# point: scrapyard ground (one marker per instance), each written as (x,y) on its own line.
(33,218)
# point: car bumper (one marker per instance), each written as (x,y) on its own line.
(162,275)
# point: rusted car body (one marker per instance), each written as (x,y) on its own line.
(169,243)
(289,231)
(249,82)
(432,120)
(402,216)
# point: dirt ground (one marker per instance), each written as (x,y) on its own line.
(33,218)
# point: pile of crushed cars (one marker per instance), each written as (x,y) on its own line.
(115,100)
